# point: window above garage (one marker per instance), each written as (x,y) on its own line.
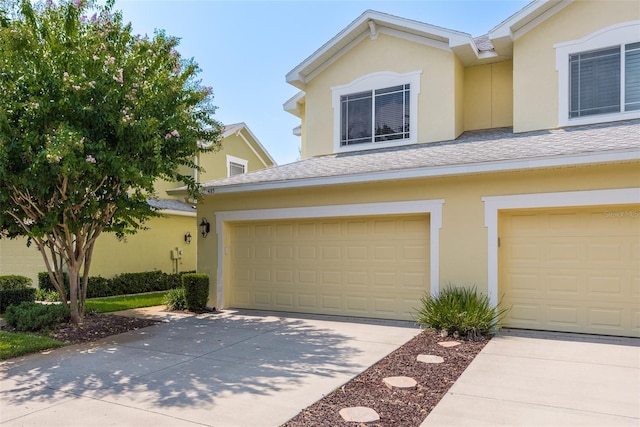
(374,111)
(599,76)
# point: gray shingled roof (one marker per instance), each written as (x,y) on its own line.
(483,43)
(173,205)
(471,148)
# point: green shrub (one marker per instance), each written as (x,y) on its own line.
(175,300)
(48,296)
(13,281)
(196,291)
(460,310)
(44,281)
(9,297)
(31,316)
(98,286)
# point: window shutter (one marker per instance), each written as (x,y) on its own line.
(632,77)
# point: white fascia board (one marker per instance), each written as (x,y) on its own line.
(463,169)
(536,12)
(178,213)
(292,105)
(359,29)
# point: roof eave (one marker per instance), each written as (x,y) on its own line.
(438,171)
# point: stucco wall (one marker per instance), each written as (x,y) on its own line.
(17,258)
(463,244)
(488,96)
(535,79)
(148,249)
(436,103)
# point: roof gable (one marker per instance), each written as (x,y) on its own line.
(243,131)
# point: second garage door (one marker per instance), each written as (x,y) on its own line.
(575,270)
(365,266)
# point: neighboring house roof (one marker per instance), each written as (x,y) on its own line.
(237,128)
(171,205)
(473,152)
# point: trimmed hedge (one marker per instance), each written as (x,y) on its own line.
(13,281)
(10,297)
(122,284)
(31,316)
(15,289)
(196,291)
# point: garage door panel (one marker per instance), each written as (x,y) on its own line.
(571,270)
(368,266)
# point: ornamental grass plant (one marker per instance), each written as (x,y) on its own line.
(460,311)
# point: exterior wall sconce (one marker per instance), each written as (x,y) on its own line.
(205,227)
(187,237)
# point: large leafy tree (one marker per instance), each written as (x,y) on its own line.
(90,116)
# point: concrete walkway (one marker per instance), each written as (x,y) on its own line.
(524,378)
(223,369)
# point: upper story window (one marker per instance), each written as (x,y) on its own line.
(375,115)
(600,76)
(377,110)
(236,166)
(596,81)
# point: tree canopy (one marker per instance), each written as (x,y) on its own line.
(91,116)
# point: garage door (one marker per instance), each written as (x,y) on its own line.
(365,266)
(575,270)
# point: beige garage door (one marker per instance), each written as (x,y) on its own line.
(365,266)
(575,270)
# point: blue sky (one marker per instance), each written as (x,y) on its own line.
(245,48)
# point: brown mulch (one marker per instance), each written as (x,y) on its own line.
(97,326)
(404,408)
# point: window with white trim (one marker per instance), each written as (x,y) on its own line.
(599,76)
(375,115)
(236,166)
(596,81)
(377,110)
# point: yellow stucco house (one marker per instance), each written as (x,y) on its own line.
(509,161)
(169,243)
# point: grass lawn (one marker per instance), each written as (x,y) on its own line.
(18,344)
(125,302)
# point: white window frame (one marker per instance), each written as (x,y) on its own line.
(614,35)
(379,80)
(237,160)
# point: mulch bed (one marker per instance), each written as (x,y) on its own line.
(97,326)
(404,408)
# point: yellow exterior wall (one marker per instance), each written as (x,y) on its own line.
(17,258)
(463,237)
(535,81)
(147,250)
(459,99)
(436,102)
(488,96)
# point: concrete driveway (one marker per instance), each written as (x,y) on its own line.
(232,369)
(526,378)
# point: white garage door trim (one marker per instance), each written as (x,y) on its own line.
(431,207)
(493,204)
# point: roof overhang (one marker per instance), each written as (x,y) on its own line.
(586,159)
(536,12)
(370,24)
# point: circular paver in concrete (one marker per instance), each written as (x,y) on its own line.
(400,382)
(359,414)
(448,344)
(429,358)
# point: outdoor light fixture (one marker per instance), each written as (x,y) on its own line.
(204,227)
(187,237)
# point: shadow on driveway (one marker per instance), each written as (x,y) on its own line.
(235,368)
